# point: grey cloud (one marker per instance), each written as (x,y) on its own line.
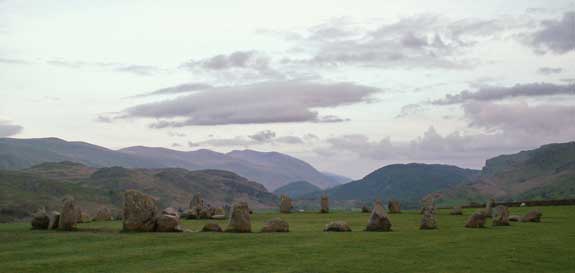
(420,41)
(259,138)
(556,36)
(491,93)
(410,109)
(240,60)
(142,70)
(8,129)
(549,70)
(539,120)
(270,102)
(177,89)
(14,61)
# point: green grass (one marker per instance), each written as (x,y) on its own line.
(100,247)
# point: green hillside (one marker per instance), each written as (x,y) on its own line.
(297,189)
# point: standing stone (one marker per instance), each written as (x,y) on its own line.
(40,220)
(457,210)
(212,227)
(427,202)
(54,219)
(428,220)
(239,218)
(275,225)
(501,216)
(489,208)
(227,210)
(324,204)
(476,220)
(285,204)
(169,221)
(394,207)
(337,226)
(378,221)
(532,216)
(104,214)
(140,212)
(197,201)
(69,215)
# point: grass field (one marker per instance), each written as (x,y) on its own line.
(100,247)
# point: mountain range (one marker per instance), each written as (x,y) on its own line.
(44,185)
(271,169)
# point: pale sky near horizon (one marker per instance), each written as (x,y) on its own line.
(348,86)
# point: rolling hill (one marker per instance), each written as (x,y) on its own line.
(547,172)
(297,189)
(271,169)
(24,191)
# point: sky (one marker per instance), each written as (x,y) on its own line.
(348,86)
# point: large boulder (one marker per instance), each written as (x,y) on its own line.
(285,204)
(378,221)
(54,219)
(239,218)
(171,211)
(532,216)
(428,219)
(140,212)
(501,216)
(104,214)
(337,226)
(457,210)
(276,225)
(476,220)
(40,220)
(324,204)
(211,227)
(514,218)
(394,207)
(489,208)
(69,215)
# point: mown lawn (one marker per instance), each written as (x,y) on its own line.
(100,247)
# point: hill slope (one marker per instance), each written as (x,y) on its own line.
(543,173)
(405,182)
(270,169)
(22,192)
(297,189)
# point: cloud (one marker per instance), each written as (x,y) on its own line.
(539,120)
(177,89)
(238,61)
(270,102)
(555,36)
(8,129)
(141,70)
(491,93)
(410,109)
(423,41)
(549,70)
(13,61)
(259,138)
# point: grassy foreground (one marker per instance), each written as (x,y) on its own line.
(100,247)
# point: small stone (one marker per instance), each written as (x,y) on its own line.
(337,226)
(275,225)
(212,227)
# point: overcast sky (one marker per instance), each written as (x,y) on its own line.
(349,86)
